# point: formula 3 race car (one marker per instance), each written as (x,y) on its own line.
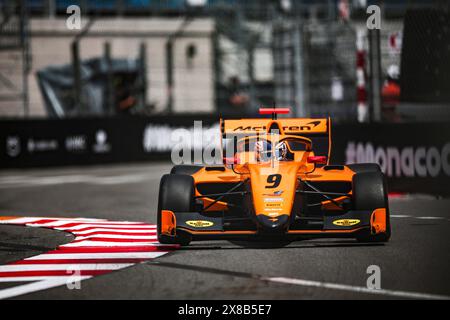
(273,186)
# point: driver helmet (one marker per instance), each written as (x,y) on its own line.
(281,151)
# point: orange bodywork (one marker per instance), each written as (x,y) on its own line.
(378,220)
(168,222)
(258,173)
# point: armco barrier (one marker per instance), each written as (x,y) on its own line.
(415,157)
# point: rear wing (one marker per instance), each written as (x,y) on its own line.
(296,126)
(318,130)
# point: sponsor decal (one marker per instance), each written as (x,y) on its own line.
(199,223)
(421,161)
(307,127)
(274,194)
(273,205)
(346,222)
(13,146)
(76,143)
(101,145)
(41,145)
(273,199)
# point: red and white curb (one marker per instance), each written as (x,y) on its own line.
(100,247)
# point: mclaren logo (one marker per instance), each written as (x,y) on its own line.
(199,223)
(307,127)
(346,222)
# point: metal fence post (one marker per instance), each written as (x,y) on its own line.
(109,103)
(375,75)
(143,74)
(300,109)
(77,86)
(169,75)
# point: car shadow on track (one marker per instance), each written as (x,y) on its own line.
(237,245)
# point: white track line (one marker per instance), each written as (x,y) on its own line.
(36,286)
(343,287)
(87,243)
(400,216)
(27,220)
(101,255)
(34,181)
(420,218)
(67,267)
(63,223)
(38,278)
(120,231)
(111,226)
(112,236)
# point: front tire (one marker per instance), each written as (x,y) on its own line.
(176,193)
(370,193)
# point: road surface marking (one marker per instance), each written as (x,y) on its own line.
(400,216)
(420,218)
(300,282)
(100,255)
(92,230)
(42,284)
(343,287)
(36,181)
(99,247)
(64,267)
(149,236)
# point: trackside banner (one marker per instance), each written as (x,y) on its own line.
(415,157)
(34,143)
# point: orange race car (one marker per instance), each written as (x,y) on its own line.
(272,185)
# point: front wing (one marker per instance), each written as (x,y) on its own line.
(204,226)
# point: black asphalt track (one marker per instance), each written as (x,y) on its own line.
(417,258)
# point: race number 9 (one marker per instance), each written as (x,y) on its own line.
(273,181)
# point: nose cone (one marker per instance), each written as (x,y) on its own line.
(278,223)
(273,192)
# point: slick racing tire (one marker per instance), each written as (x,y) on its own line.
(185,169)
(370,193)
(364,167)
(176,193)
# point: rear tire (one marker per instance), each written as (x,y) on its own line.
(185,169)
(364,167)
(370,193)
(176,193)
